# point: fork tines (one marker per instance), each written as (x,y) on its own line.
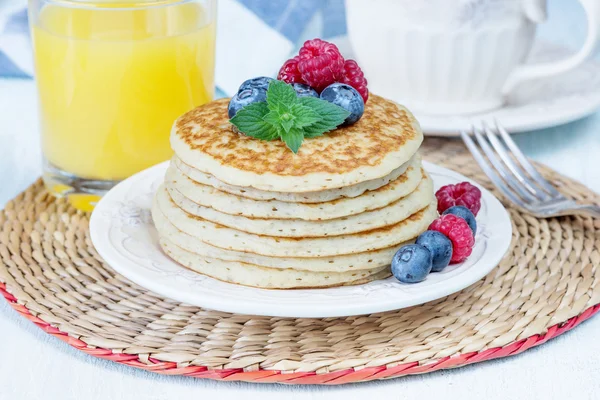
(508,168)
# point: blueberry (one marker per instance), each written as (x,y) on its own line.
(245,97)
(464,213)
(262,82)
(412,263)
(346,97)
(439,246)
(303,90)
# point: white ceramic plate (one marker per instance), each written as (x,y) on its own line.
(534,105)
(122,231)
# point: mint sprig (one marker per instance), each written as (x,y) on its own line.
(287,117)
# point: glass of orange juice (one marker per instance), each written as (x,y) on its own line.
(112,76)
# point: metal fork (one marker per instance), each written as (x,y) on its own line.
(517,178)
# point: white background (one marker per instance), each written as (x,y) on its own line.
(34,365)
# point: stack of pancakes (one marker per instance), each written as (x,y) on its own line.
(251,212)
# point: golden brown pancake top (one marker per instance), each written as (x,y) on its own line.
(384,128)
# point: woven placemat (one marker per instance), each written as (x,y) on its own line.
(547,284)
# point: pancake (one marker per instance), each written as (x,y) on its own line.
(256,276)
(342,263)
(302,197)
(253,213)
(232,239)
(226,203)
(386,137)
(388,215)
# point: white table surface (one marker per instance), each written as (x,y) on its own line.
(34,365)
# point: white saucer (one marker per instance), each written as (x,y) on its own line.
(534,105)
(122,231)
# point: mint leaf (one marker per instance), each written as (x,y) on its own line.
(249,120)
(297,116)
(288,117)
(293,139)
(330,116)
(280,93)
(287,124)
(329,113)
(272,117)
(285,120)
(303,115)
(280,108)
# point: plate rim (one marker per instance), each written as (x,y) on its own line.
(565,109)
(446,128)
(273,309)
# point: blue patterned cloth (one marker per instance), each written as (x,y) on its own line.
(254,37)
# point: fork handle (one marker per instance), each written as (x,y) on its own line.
(587,210)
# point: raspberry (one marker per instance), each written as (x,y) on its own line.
(320,63)
(459,233)
(352,75)
(289,72)
(461,194)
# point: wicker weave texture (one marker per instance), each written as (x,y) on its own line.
(547,284)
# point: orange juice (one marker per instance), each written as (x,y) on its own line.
(112,77)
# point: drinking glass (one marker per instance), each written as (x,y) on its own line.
(112,76)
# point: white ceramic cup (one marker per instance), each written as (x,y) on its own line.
(454,56)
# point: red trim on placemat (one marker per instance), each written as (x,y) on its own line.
(305,378)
